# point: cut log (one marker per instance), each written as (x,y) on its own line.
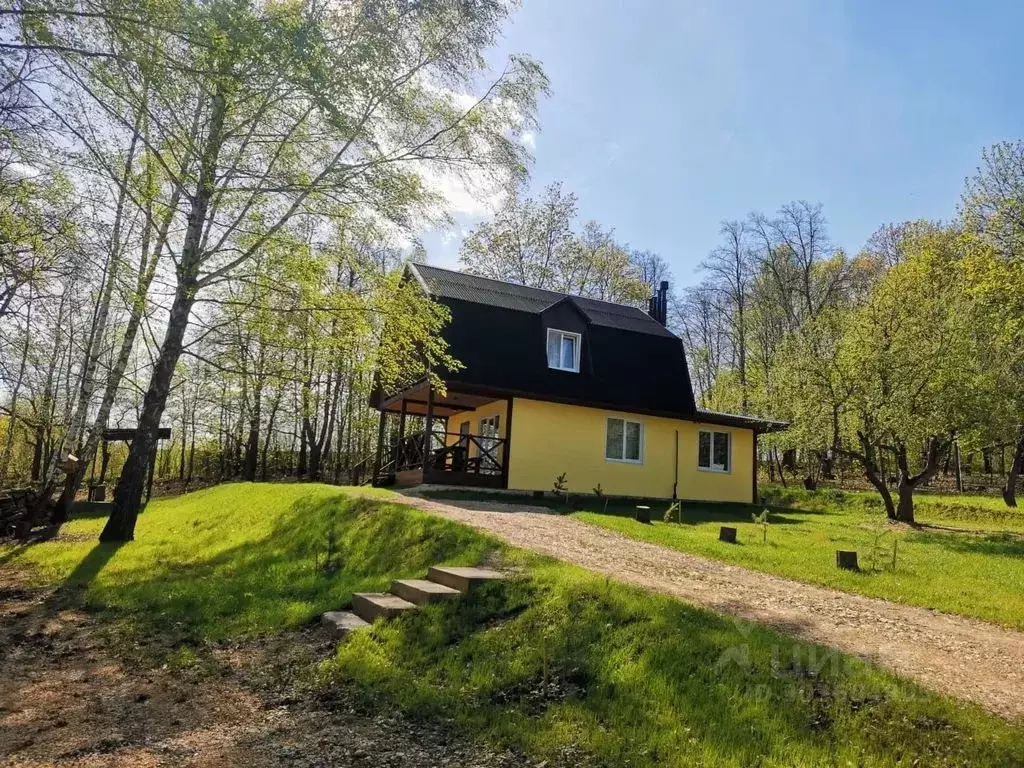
(846,560)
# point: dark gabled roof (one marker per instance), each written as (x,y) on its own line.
(449,284)
(628,360)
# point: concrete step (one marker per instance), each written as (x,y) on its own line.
(421,591)
(462,579)
(340,623)
(371,606)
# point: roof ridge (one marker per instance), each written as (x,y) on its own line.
(531,287)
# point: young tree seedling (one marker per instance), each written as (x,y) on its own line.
(762,519)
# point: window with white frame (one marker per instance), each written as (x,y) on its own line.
(624,441)
(714,451)
(563,350)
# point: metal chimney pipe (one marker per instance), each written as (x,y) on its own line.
(663,303)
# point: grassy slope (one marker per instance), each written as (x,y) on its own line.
(557,660)
(976,569)
(242,559)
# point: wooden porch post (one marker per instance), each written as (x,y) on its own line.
(506,452)
(427,424)
(380,447)
(399,448)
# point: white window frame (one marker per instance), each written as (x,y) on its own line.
(711,457)
(624,421)
(578,339)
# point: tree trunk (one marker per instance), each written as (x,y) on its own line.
(130,486)
(870,460)
(906,484)
(275,404)
(905,510)
(147,271)
(252,442)
(877,479)
(958,467)
(12,416)
(300,467)
(1016,470)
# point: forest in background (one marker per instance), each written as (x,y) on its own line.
(205,207)
(893,366)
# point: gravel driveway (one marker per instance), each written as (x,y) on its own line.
(962,657)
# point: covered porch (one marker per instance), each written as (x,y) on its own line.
(460,437)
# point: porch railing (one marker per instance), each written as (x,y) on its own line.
(450,452)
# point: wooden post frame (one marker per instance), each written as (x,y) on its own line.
(399,448)
(428,420)
(506,452)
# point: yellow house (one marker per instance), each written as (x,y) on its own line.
(562,385)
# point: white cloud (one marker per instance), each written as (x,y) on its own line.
(474,194)
(528,139)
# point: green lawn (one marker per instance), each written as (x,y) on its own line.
(558,662)
(967,557)
(242,559)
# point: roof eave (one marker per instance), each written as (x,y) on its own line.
(411,268)
(759,425)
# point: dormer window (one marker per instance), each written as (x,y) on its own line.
(563,350)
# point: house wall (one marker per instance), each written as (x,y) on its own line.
(550,438)
(497,407)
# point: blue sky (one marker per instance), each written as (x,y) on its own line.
(667,117)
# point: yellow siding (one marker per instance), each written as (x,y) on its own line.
(550,438)
(495,408)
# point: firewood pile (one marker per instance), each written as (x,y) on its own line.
(21,510)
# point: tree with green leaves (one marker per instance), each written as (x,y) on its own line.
(534,242)
(992,211)
(262,116)
(894,377)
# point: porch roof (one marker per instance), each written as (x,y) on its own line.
(454,401)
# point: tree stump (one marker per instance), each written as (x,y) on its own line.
(643,514)
(846,560)
(726,534)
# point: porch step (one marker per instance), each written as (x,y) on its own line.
(340,623)
(421,591)
(442,583)
(462,579)
(371,606)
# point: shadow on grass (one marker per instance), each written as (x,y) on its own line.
(89,567)
(90,510)
(634,679)
(697,513)
(13,553)
(317,554)
(997,544)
